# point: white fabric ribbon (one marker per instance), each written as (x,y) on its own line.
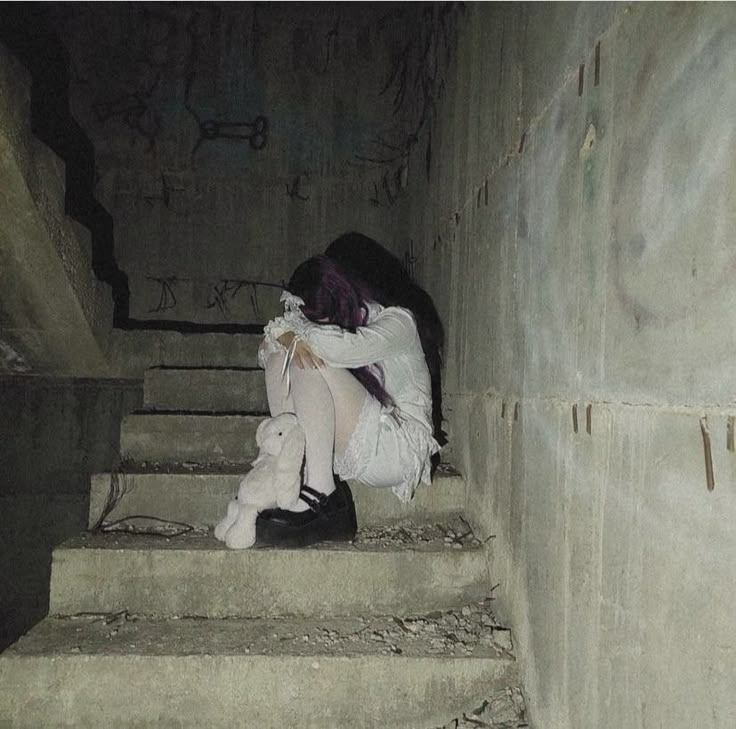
(286,366)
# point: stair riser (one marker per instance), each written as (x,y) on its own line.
(133,352)
(269,692)
(205,390)
(263,582)
(202,439)
(201,500)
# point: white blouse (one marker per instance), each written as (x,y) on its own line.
(389,339)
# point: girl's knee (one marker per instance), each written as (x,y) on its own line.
(305,374)
(275,361)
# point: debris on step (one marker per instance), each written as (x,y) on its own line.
(447,469)
(129,465)
(455,534)
(468,631)
(503,710)
(152,526)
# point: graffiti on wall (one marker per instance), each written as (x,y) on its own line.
(253,131)
(415,81)
(222,293)
(206,89)
(410,261)
(299,187)
(168,194)
(167,297)
(312,50)
(127,95)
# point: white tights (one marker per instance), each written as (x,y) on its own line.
(327,402)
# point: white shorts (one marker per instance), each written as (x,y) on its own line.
(387,450)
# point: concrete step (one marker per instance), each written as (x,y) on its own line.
(205,389)
(128,671)
(133,352)
(174,437)
(200,498)
(412,567)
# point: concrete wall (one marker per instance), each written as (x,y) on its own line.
(54,433)
(54,315)
(196,217)
(577,234)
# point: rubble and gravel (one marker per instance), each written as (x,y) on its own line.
(455,534)
(129,466)
(460,632)
(465,632)
(505,709)
(468,631)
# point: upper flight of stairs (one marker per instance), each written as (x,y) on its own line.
(173,630)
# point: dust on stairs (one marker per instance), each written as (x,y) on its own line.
(153,623)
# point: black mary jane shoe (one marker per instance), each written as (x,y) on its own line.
(328,519)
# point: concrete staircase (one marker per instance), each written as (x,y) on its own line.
(169,629)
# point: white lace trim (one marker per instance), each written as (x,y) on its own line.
(292,321)
(291,302)
(421,446)
(356,457)
(415,448)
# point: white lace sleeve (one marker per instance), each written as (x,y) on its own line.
(291,321)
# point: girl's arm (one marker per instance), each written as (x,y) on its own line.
(390,333)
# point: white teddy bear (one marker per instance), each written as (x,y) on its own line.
(274,480)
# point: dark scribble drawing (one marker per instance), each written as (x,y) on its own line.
(410,261)
(295,190)
(254,132)
(257,35)
(226,289)
(313,54)
(167,297)
(166,195)
(134,85)
(416,81)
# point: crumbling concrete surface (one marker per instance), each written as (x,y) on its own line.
(54,316)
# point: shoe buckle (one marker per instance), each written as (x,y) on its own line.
(315,500)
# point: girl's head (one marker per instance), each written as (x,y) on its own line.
(330,294)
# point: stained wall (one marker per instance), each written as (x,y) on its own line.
(576,232)
(54,434)
(234,139)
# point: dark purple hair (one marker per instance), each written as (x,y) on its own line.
(391,285)
(332,296)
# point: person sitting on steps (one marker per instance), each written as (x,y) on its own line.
(348,361)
